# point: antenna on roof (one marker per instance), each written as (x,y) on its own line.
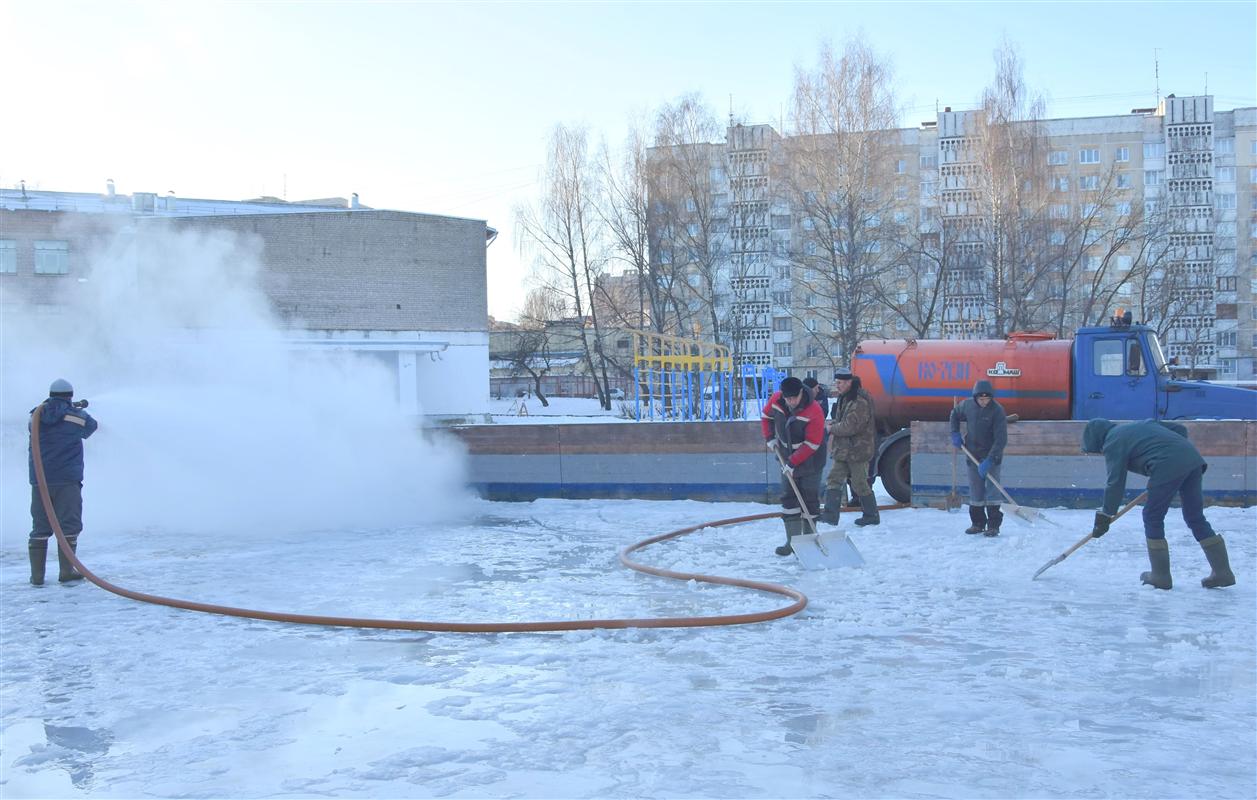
(1156,71)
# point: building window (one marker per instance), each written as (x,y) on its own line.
(1059,211)
(782,349)
(1154,149)
(1058,158)
(901,167)
(781,324)
(1225,175)
(1226,202)
(811,325)
(1093,263)
(1152,177)
(1089,183)
(1089,155)
(781,299)
(1252,174)
(1226,283)
(52,258)
(1123,180)
(1060,184)
(901,192)
(1122,154)
(1228,366)
(1057,238)
(1225,147)
(8,256)
(1226,338)
(1089,210)
(1122,209)
(930,161)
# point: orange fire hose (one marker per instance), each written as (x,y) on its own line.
(800,601)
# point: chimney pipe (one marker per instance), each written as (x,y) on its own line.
(353,200)
(109,190)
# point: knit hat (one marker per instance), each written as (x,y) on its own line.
(811,383)
(791,387)
(843,374)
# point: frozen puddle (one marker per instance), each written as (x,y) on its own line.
(939,670)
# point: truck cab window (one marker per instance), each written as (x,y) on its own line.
(1134,358)
(1107,357)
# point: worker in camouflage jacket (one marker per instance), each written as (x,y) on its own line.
(852,441)
(986,435)
(794,430)
(1161,451)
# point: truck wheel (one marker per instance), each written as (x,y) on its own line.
(895,470)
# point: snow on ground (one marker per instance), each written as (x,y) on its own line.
(939,670)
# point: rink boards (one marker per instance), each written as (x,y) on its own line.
(727,461)
(1043,465)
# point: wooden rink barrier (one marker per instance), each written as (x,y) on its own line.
(1044,465)
(726,461)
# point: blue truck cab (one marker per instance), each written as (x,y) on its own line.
(1120,372)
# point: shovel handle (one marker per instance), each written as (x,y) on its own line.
(1142,497)
(797,494)
(996,483)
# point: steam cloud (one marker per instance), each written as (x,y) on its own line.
(209,420)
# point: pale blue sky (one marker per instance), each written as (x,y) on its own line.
(445,108)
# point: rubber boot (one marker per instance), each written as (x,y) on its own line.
(67,572)
(994,518)
(832,511)
(38,549)
(870,516)
(1221,574)
(794,527)
(977,515)
(1159,557)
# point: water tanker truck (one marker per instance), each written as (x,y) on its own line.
(1116,371)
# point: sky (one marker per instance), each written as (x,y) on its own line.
(939,669)
(446,108)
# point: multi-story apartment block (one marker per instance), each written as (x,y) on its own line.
(1181,174)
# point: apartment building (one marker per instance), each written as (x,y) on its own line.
(406,290)
(1181,170)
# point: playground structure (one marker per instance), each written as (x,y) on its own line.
(676,379)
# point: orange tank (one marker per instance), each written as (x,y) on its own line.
(921,379)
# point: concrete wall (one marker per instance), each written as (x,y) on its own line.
(1044,466)
(727,461)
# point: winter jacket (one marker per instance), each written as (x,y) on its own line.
(62,429)
(853,429)
(1159,450)
(800,430)
(986,429)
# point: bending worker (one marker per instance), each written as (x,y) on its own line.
(794,428)
(63,425)
(1161,451)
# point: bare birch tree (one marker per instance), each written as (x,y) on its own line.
(563,233)
(839,184)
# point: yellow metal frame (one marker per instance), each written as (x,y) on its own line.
(661,351)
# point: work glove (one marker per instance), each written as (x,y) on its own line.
(1101,525)
(787,470)
(984,468)
(957,441)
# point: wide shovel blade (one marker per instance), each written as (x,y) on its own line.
(826,550)
(1031,515)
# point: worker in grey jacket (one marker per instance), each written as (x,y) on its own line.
(986,435)
(1161,451)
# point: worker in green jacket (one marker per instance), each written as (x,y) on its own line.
(1173,465)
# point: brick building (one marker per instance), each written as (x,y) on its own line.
(409,289)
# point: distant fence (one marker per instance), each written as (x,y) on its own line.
(700,395)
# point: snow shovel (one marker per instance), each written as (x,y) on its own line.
(1142,497)
(819,550)
(1031,515)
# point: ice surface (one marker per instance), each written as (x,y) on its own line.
(938,670)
